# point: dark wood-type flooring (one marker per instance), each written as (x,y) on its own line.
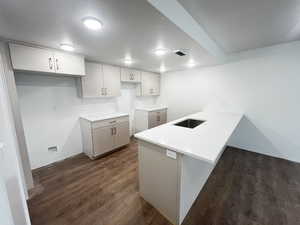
(244,189)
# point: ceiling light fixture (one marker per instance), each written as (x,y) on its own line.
(191,63)
(128,61)
(160,51)
(92,23)
(162,69)
(67,47)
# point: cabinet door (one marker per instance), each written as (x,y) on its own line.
(69,64)
(152,120)
(150,84)
(155,84)
(146,84)
(103,140)
(92,83)
(121,134)
(130,75)
(31,59)
(111,79)
(163,116)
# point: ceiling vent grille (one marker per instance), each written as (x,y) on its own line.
(181,52)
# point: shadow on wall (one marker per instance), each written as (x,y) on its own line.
(72,136)
(249,137)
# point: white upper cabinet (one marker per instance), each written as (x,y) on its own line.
(92,83)
(130,75)
(69,64)
(31,59)
(111,80)
(100,81)
(36,59)
(150,84)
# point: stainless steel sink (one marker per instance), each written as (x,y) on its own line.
(189,123)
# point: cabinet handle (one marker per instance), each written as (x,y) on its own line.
(103,91)
(112,131)
(115,130)
(50,63)
(112,121)
(57,67)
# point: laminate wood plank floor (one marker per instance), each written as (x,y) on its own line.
(244,189)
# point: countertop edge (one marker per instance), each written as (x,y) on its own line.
(214,161)
(175,149)
(104,117)
(151,110)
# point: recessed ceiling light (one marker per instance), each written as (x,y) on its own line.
(160,51)
(191,63)
(128,61)
(162,69)
(67,47)
(92,23)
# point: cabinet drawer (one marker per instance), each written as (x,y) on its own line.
(109,122)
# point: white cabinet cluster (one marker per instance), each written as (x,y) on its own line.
(102,135)
(25,58)
(96,79)
(146,118)
(105,81)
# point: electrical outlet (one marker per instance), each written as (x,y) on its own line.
(53,149)
(171,154)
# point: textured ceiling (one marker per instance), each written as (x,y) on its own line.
(238,25)
(131,27)
(134,27)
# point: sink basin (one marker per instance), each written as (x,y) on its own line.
(189,123)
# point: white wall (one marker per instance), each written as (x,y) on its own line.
(264,84)
(50,110)
(15,107)
(13,205)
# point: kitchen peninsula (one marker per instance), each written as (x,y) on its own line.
(176,159)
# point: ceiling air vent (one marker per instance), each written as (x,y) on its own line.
(181,52)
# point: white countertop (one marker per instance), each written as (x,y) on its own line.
(151,108)
(97,117)
(204,142)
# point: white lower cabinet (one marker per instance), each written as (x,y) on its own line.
(149,118)
(121,134)
(103,140)
(102,136)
